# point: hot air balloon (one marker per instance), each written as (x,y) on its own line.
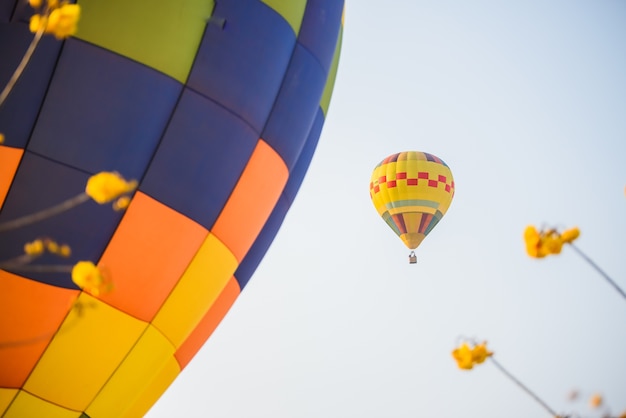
(215,109)
(412,191)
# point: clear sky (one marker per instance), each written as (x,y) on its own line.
(526,102)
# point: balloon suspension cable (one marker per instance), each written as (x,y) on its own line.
(599,270)
(412,258)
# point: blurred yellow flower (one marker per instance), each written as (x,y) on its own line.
(533,242)
(480,353)
(34,248)
(90,278)
(52,246)
(38,246)
(107,186)
(463,357)
(569,235)
(121,203)
(542,243)
(64,250)
(35,4)
(531,235)
(37,22)
(553,244)
(61,20)
(1,138)
(467,357)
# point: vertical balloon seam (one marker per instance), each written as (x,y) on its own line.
(388,172)
(122,360)
(217,103)
(4,150)
(43,99)
(332,74)
(53,336)
(330,82)
(260,133)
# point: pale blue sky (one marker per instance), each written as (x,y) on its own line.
(526,102)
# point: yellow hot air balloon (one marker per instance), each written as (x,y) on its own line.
(412,191)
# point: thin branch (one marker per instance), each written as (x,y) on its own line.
(66,325)
(43,214)
(523,387)
(22,65)
(45,268)
(599,270)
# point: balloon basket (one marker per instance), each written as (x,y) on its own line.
(412,258)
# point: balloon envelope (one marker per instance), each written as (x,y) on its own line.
(412,191)
(215,108)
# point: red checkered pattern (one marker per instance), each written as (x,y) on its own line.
(422,175)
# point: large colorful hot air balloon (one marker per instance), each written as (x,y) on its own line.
(412,191)
(215,108)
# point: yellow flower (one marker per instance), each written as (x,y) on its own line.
(552,244)
(569,235)
(106,186)
(34,248)
(480,353)
(463,357)
(35,4)
(64,250)
(37,22)
(467,357)
(90,278)
(1,138)
(121,203)
(533,241)
(63,21)
(52,246)
(542,243)
(531,236)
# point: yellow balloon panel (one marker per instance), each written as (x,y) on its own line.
(82,355)
(6,397)
(145,364)
(412,191)
(27,405)
(199,287)
(153,391)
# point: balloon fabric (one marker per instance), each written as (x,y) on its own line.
(412,191)
(215,109)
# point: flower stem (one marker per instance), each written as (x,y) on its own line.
(80,308)
(45,268)
(599,270)
(22,65)
(43,214)
(523,387)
